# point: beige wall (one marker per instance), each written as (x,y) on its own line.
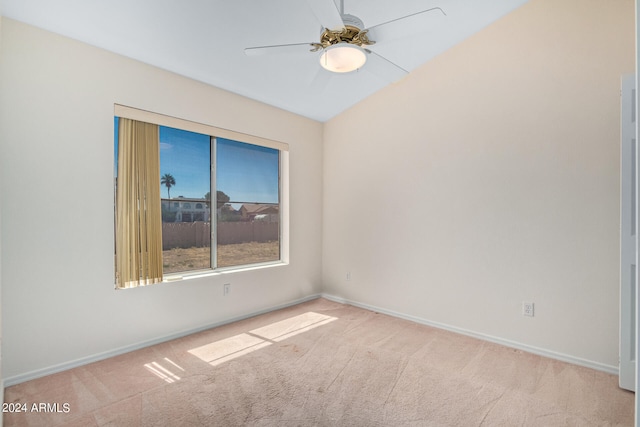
(488,177)
(56,172)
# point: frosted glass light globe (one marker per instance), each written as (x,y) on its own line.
(343,58)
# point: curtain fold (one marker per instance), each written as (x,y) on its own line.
(138,205)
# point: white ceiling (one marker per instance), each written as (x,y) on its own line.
(205,40)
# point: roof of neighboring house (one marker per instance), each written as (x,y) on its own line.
(254,208)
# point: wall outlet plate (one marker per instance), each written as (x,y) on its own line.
(527,309)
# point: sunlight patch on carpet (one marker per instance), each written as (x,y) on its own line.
(162,372)
(293,326)
(227,349)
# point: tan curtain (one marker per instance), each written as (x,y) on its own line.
(138,213)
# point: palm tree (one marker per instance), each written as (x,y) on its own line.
(168,181)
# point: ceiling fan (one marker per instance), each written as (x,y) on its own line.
(344,41)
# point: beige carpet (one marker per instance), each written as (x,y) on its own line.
(325,364)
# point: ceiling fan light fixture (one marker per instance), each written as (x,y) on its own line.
(343,58)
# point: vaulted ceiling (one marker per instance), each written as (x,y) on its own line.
(205,40)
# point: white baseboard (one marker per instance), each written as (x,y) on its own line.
(507,343)
(17,379)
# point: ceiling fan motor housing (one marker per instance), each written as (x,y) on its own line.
(352,33)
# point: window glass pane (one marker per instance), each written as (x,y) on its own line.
(248,214)
(246,172)
(185,165)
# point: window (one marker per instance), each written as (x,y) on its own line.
(240,225)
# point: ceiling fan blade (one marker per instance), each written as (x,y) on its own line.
(327,13)
(383,68)
(422,12)
(280,49)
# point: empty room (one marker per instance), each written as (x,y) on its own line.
(419,212)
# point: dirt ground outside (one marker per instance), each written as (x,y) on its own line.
(178,259)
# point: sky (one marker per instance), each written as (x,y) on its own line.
(246,173)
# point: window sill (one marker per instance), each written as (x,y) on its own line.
(197,274)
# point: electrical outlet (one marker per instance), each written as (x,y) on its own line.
(226,289)
(527,309)
(348,276)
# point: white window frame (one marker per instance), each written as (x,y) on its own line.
(216,132)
